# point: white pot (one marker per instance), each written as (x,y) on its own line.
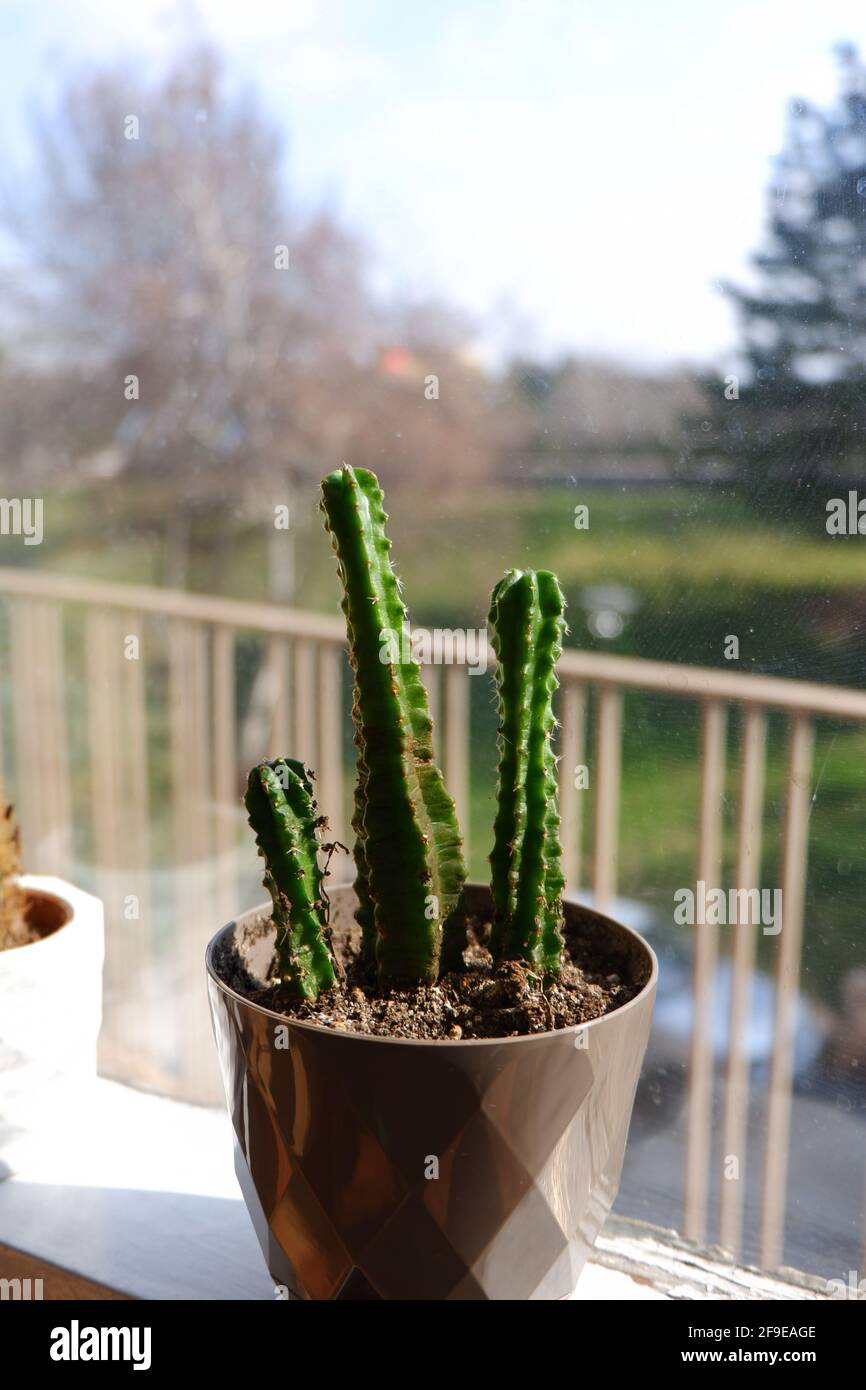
(50,1014)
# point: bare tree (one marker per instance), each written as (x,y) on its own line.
(168,273)
(187,326)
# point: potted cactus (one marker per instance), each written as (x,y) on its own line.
(430,1081)
(51,951)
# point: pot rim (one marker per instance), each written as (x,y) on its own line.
(34,893)
(643,993)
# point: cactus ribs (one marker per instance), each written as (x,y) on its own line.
(415,965)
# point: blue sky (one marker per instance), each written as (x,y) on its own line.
(578,175)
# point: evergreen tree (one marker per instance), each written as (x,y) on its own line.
(797,412)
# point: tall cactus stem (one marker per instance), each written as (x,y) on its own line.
(410,855)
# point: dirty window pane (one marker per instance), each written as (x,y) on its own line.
(583,302)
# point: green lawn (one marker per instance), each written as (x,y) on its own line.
(700,566)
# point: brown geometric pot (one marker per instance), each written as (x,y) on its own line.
(397,1169)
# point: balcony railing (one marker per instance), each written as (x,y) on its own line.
(133,712)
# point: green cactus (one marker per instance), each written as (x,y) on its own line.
(283,814)
(409,854)
(408,851)
(527,618)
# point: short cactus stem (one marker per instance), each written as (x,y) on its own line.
(284,816)
(409,854)
(527,621)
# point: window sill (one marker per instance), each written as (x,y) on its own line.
(142,1202)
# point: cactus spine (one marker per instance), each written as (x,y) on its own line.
(282,812)
(409,854)
(527,619)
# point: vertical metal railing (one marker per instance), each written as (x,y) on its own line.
(795,840)
(572,722)
(717,691)
(225,769)
(215,684)
(606,780)
(705,953)
(39,724)
(747,878)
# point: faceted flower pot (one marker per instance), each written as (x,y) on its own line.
(396,1169)
(50,1014)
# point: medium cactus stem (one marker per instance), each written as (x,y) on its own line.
(512,643)
(526,616)
(282,812)
(411,844)
(552,604)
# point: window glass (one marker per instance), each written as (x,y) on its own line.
(586,287)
